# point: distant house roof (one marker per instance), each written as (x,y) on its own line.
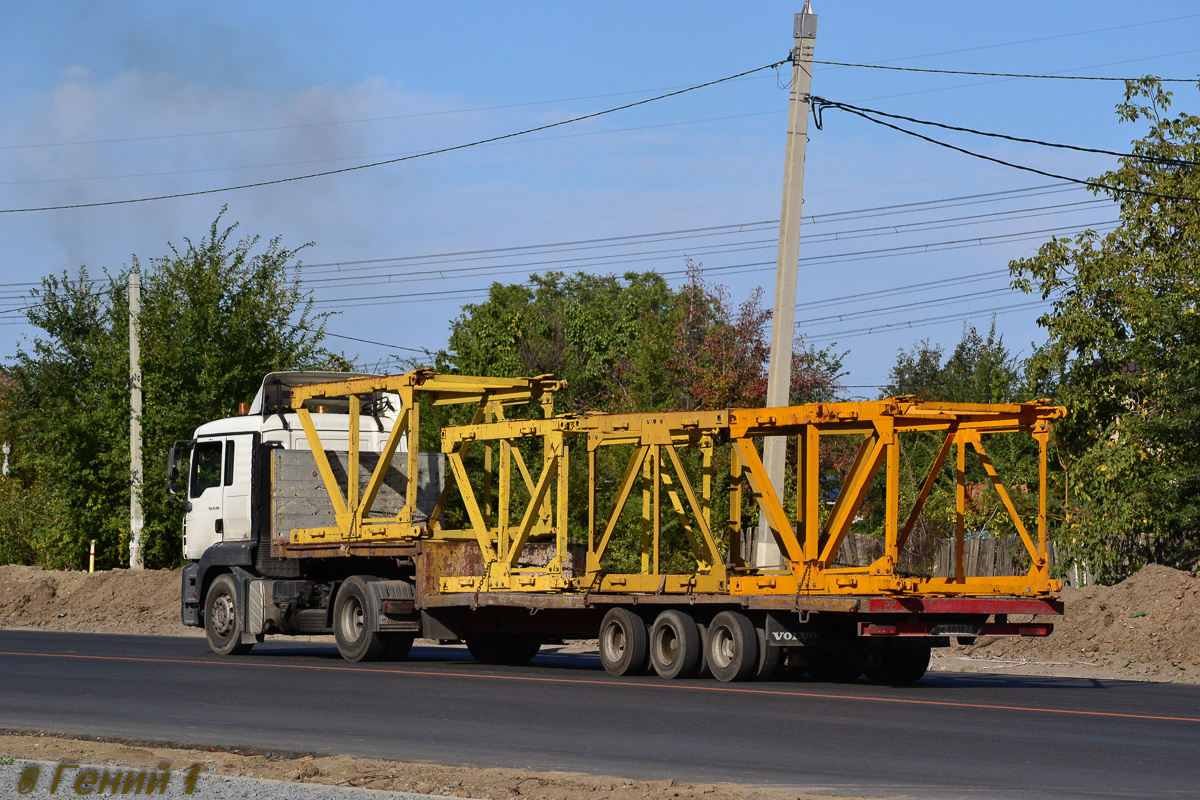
(6,382)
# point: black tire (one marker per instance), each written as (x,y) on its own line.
(768,657)
(732,647)
(221,623)
(624,643)
(503,648)
(675,647)
(398,645)
(901,666)
(703,671)
(352,618)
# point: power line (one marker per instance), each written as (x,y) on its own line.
(870,312)
(432,270)
(815,219)
(906,289)
(436,259)
(438,151)
(822,104)
(1122,27)
(609,242)
(605,132)
(998,74)
(327,123)
(1082,182)
(837,258)
(868,330)
(381,344)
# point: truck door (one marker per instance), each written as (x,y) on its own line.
(235,486)
(203,524)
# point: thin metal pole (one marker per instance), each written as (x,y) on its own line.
(783,320)
(135,424)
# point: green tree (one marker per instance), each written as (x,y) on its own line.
(216,315)
(629,343)
(608,337)
(980,370)
(1123,350)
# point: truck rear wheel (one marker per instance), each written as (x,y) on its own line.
(901,665)
(675,649)
(624,643)
(768,657)
(352,628)
(732,647)
(221,623)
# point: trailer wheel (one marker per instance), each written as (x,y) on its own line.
(503,648)
(702,671)
(397,645)
(624,643)
(221,623)
(351,624)
(768,657)
(732,647)
(901,665)
(675,649)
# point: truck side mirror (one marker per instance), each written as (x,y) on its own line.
(174,463)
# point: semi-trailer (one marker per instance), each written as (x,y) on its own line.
(317,513)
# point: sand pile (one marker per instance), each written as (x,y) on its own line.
(1147,626)
(120,601)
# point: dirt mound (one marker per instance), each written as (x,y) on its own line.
(1147,626)
(120,601)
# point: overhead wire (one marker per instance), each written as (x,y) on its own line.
(871,329)
(871,312)
(864,255)
(434,270)
(427,153)
(436,259)
(999,74)
(1082,182)
(822,104)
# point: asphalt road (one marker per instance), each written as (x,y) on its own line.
(951,736)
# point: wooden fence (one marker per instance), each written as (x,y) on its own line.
(982,556)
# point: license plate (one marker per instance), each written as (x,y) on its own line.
(955,629)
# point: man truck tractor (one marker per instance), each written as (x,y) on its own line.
(317,513)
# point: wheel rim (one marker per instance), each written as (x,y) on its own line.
(222,615)
(721,651)
(614,642)
(666,645)
(352,619)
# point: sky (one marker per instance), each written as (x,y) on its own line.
(901,240)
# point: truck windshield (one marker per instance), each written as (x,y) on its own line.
(206,467)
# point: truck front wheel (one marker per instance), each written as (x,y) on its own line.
(221,623)
(352,628)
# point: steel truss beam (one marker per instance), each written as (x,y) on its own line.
(656,445)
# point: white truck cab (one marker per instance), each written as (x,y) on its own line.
(222,455)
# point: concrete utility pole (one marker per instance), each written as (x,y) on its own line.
(135,423)
(783,321)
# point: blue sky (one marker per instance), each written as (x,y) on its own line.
(122,100)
